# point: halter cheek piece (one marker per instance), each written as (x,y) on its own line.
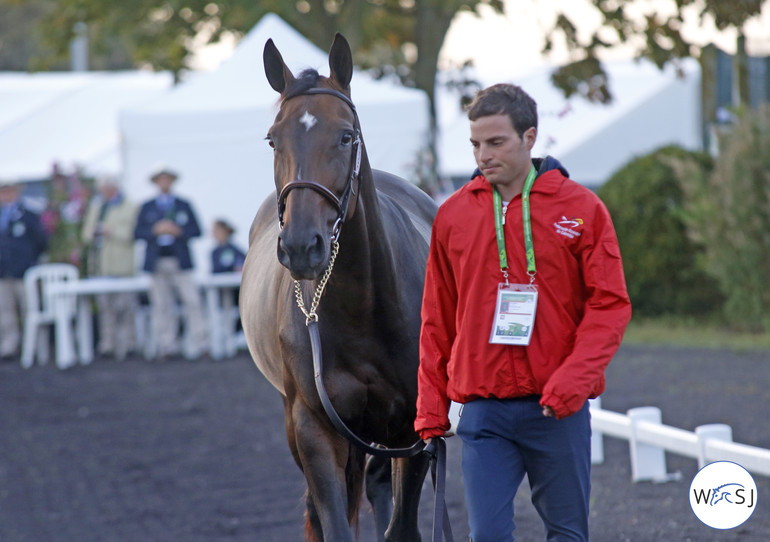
(339,203)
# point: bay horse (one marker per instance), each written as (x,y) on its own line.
(328,197)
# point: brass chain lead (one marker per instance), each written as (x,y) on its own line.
(311,315)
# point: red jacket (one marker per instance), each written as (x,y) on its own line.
(583,307)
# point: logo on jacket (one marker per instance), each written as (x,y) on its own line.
(568,226)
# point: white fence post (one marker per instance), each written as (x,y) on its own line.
(649,440)
(648,462)
(718,431)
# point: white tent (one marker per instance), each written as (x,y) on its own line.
(68,118)
(211,129)
(651,108)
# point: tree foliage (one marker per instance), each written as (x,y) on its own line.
(401,37)
(657,36)
(664,272)
(728,213)
(393,37)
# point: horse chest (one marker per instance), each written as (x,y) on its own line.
(356,382)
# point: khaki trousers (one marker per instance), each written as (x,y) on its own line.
(13,306)
(167,280)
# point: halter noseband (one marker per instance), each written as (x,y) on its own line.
(339,203)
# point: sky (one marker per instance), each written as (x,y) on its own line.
(515,39)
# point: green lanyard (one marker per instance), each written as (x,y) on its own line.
(528,245)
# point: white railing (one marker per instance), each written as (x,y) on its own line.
(649,439)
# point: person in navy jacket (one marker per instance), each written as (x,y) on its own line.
(167,223)
(22,241)
(226,257)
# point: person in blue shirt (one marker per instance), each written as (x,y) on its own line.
(166,224)
(22,240)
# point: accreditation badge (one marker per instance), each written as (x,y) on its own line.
(514,314)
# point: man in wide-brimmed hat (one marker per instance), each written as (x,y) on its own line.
(22,241)
(167,223)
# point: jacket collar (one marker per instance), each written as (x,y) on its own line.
(550,176)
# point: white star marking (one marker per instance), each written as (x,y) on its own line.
(308,120)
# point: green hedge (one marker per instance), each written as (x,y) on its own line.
(663,266)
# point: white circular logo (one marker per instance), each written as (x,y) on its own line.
(723,495)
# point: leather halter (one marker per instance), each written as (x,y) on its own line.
(342,202)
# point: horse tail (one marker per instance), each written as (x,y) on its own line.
(354,477)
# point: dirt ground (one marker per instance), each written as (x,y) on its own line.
(195,452)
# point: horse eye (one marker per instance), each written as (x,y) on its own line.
(270,142)
(347,139)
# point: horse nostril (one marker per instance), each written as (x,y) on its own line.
(315,250)
(283,253)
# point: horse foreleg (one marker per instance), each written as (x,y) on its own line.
(408,476)
(323,455)
(312,524)
(379,491)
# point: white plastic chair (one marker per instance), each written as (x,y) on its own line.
(41,307)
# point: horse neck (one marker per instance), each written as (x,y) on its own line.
(364,271)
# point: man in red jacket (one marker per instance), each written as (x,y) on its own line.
(525,304)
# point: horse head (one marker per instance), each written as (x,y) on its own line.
(317,148)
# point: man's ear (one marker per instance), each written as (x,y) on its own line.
(530,136)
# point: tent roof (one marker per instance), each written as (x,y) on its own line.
(66,117)
(211,128)
(567,126)
(240,83)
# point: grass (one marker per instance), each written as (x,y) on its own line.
(692,333)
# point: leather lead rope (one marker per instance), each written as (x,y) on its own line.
(436,450)
(339,425)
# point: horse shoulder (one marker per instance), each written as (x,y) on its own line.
(262,296)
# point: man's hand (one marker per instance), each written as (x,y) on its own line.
(446,434)
(548,412)
(166,227)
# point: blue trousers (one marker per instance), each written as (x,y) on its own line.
(505,439)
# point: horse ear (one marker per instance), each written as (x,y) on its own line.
(278,74)
(341,61)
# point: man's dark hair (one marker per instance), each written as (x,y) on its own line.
(505,99)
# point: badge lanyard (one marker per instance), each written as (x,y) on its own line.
(528,244)
(516,304)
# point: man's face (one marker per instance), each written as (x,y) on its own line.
(164,183)
(8,194)
(502,156)
(108,191)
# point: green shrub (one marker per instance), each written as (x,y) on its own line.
(728,213)
(662,264)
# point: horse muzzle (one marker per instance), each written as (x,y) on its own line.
(305,256)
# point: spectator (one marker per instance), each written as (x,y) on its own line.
(22,241)
(226,257)
(63,218)
(108,233)
(167,223)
